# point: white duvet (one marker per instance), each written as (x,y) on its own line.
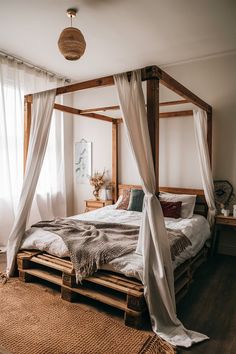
(196,229)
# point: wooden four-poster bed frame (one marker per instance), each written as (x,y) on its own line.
(114,289)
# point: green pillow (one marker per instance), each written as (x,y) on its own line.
(136,200)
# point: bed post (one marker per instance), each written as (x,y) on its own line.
(153,120)
(27,125)
(209,133)
(115,160)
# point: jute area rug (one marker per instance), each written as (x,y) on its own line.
(35,320)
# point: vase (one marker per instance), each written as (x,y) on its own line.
(96,193)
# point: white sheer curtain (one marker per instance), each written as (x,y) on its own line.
(158,272)
(200,128)
(42,108)
(49,200)
(16,80)
(11,142)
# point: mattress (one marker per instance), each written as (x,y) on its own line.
(196,229)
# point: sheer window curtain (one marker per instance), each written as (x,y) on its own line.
(16,80)
(49,200)
(153,242)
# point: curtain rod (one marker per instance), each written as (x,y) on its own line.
(32,66)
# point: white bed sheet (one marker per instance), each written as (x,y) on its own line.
(196,229)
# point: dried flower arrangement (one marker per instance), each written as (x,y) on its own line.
(97,181)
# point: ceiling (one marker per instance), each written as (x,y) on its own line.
(120,34)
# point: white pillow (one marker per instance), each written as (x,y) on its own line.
(188,202)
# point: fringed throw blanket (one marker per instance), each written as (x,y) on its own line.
(92,244)
(178,242)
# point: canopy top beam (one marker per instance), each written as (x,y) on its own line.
(147,73)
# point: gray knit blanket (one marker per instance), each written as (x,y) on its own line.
(92,244)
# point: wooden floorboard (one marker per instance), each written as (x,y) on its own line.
(209,307)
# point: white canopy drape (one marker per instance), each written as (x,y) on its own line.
(153,242)
(200,128)
(42,108)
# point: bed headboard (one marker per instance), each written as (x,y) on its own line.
(200,206)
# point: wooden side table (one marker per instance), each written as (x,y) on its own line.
(221,222)
(92,204)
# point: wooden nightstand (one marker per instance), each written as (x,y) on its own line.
(221,222)
(92,204)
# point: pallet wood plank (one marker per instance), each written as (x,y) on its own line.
(68,295)
(121,276)
(69,280)
(51,265)
(55,260)
(27,254)
(25,277)
(97,295)
(180,285)
(136,303)
(181,270)
(114,286)
(136,320)
(42,274)
(65,261)
(121,281)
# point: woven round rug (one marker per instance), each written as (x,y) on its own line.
(35,320)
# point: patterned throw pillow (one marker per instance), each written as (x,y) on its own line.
(136,200)
(171,209)
(124,203)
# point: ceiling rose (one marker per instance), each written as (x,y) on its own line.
(71,42)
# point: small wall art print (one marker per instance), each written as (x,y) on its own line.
(83,161)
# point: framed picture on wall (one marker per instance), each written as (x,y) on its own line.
(83,161)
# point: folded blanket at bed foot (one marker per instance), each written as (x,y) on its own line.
(92,244)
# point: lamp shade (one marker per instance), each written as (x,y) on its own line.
(71,43)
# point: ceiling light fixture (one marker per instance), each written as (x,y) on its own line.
(71,41)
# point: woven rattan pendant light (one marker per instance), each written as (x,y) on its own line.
(71,41)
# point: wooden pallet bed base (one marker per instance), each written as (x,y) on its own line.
(113,289)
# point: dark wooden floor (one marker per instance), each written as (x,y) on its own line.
(209,307)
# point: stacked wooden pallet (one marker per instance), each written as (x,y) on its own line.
(116,290)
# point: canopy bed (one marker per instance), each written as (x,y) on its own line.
(142,128)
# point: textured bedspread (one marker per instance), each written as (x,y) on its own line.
(92,244)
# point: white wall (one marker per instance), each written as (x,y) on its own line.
(100,134)
(214,80)
(178,154)
(68,153)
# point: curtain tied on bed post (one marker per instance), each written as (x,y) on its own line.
(153,242)
(42,109)
(200,129)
